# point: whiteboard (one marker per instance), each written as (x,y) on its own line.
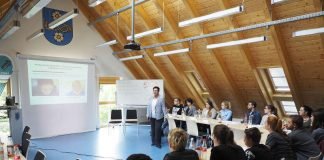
(136,92)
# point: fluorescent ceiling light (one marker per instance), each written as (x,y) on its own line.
(146,33)
(35,35)
(277,1)
(308,32)
(213,16)
(32,7)
(131,58)
(64,18)
(238,42)
(108,43)
(172,52)
(9,30)
(93,3)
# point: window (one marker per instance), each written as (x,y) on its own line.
(107,98)
(289,107)
(279,80)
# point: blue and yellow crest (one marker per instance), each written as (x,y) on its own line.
(62,34)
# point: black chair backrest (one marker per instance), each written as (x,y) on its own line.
(24,148)
(25,142)
(131,114)
(26,129)
(116,114)
(39,156)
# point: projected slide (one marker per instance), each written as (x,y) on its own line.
(57,82)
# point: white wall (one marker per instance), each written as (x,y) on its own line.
(82,46)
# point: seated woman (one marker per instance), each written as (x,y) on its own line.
(225,112)
(209,111)
(256,150)
(278,141)
(224,145)
(318,128)
(177,139)
(177,109)
(306,113)
(268,110)
(189,109)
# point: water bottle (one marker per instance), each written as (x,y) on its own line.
(204,149)
(250,121)
(183,114)
(191,144)
(1,151)
(16,153)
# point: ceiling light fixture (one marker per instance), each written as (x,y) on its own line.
(277,1)
(132,58)
(308,32)
(238,42)
(30,8)
(109,43)
(93,3)
(172,52)
(9,30)
(146,33)
(213,16)
(35,35)
(64,18)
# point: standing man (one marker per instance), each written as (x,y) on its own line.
(253,114)
(155,113)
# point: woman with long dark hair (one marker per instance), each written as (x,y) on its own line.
(224,145)
(318,128)
(209,111)
(277,140)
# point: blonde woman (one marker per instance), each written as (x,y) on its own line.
(226,113)
(177,139)
(209,111)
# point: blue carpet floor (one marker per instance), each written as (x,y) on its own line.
(105,143)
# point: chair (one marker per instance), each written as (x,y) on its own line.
(212,125)
(24,147)
(316,157)
(40,155)
(131,118)
(171,123)
(192,128)
(115,118)
(26,129)
(25,143)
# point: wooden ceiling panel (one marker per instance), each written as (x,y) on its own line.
(229,72)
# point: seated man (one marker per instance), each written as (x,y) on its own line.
(177,139)
(302,141)
(256,150)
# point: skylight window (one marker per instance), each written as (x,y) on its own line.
(289,107)
(279,80)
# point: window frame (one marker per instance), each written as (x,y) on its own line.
(273,86)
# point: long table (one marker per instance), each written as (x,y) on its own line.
(237,127)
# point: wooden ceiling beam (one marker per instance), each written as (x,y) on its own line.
(131,65)
(319,6)
(174,64)
(283,55)
(169,20)
(245,52)
(217,58)
(170,87)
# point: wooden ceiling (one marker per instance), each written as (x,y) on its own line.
(5,6)
(229,73)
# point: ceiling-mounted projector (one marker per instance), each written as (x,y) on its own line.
(133,46)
